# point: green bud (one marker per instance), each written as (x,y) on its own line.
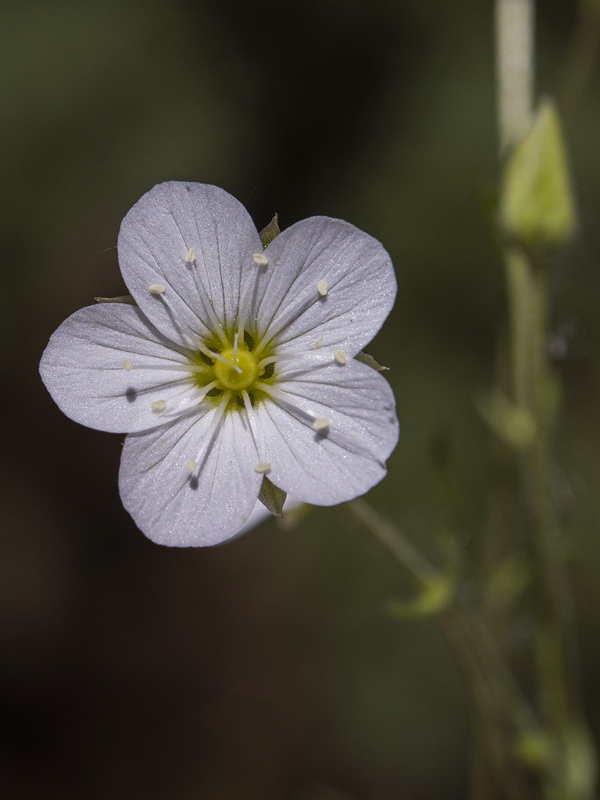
(536,204)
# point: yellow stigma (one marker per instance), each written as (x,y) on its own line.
(230,378)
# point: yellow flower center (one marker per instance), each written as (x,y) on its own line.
(241,378)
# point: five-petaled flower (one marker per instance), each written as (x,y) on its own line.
(236,363)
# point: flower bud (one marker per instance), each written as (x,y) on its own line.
(536,204)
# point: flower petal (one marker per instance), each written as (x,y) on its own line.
(327,282)
(355,430)
(173,505)
(92,369)
(176,221)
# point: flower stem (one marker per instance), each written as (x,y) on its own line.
(535,395)
(514,67)
(488,678)
(405,554)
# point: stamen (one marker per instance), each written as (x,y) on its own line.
(248,299)
(208,388)
(218,357)
(208,439)
(340,356)
(169,367)
(157,288)
(321,423)
(322,287)
(190,403)
(283,357)
(278,324)
(262,467)
(258,440)
(267,388)
(236,338)
(128,365)
(191,465)
(318,343)
(158,406)
(190,256)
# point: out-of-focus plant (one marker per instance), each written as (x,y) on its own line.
(528,742)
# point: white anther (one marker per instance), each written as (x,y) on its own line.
(322,287)
(262,467)
(260,259)
(157,288)
(159,406)
(321,423)
(191,465)
(128,365)
(340,356)
(190,256)
(318,343)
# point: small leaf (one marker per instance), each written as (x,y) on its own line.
(365,358)
(435,595)
(126,298)
(272,497)
(270,231)
(535,748)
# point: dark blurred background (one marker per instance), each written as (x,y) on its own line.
(264,668)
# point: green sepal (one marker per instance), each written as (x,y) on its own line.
(365,358)
(270,231)
(537,209)
(272,497)
(126,298)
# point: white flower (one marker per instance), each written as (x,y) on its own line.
(237,362)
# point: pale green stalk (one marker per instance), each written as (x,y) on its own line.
(534,394)
(489,679)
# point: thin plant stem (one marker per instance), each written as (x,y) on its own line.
(405,554)
(514,68)
(479,652)
(535,395)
